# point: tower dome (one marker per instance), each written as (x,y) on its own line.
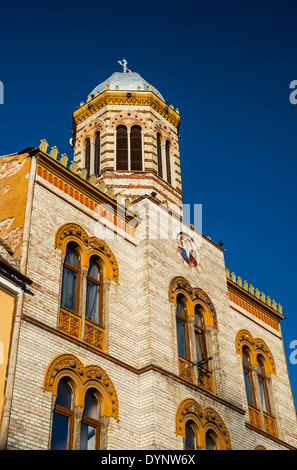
(126,81)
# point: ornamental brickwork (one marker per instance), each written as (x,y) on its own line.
(178,340)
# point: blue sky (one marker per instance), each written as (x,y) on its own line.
(226,65)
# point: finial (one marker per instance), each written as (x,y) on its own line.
(123,64)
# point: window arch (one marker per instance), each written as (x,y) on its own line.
(201,427)
(159,156)
(71,278)
(97,156)
(121,148)
(88,156)
(194,325)
(136,148)
(168,164)
(94,291)
(182,326)
(84,395)
(63,417)
(87,277)
(260,367)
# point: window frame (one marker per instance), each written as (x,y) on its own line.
(77,270)
(200,331)
(99,283)
(95,423)
(186,326)
(248,368)
(68,413)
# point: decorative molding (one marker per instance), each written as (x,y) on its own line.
(129,118)
(166,133)
(89,245)
(89,131)
(205,419)
(117,98)
(93,375)
(256,347)
(180,285)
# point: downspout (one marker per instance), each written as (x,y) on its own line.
(18,306)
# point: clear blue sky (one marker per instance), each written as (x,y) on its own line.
(227,66)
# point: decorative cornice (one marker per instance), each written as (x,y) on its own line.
(253,295)
(126,98)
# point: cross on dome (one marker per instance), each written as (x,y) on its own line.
(123,64)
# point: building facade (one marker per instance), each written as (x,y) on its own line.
(132,333)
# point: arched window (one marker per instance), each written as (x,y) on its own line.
(62,427)
(190,436)
(71,278)
(182,327)
(122,148)
(94,291)
(200,336)
(97,155)
(247,371)
(159,156)
(263,386)
(168,165)
(136,148)
(90,424)
(88,156)
(210,440)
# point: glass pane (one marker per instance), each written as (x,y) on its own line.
(64,394)
(181,308)
(88,156)
(122,148)
(136,148)
(60,432)
(245,358)
(94,270)
(68,297)
(210,442)
(91,405)
(87,437)
(199,349)
(190,441)
(97,155)
(199,321)
(92,307)
(181,338)
(71,256)
(264,399)
(167,147)
(159,154)
(248,387)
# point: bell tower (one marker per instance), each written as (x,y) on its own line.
(127,135)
